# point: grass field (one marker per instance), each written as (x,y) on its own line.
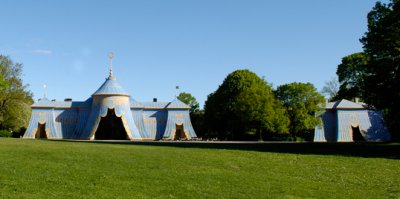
(57,169)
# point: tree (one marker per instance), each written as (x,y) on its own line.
(302,101)
(331,88)
(242,105)
(197,119)
(382,45)
(351,74)
(191,101)
(15,99)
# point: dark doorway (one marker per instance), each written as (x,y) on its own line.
(41,131)
(357,136)
(180,133)
(111,128)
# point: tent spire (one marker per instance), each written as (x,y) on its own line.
(111,56)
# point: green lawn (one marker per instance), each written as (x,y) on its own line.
(55,169)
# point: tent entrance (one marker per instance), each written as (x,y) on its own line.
(111,128)
(357,136)
(41,131)
(180,133)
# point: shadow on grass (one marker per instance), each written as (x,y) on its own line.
(356,149)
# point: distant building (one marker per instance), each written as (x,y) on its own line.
(346,121)
(110,114)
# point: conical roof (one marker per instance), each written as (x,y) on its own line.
(110,87)
(177,104)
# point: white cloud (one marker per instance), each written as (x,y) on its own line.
(42,52)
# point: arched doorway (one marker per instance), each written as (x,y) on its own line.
(41,131)
(357,136)
(111,128)
(179,133)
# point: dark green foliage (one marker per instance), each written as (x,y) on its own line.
(244,107)
(197,119)
(302,101)
(15,99)
(191,101)
(382,46)
(351,74)
(5,133)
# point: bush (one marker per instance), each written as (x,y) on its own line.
(5,133)
(19,133)
(278,137)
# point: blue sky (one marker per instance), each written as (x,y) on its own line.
(161,44)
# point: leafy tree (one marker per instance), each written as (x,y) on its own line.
(15,99)
(243,103)
(382,45)
(331,88)
(351,73)
(191,101)
(302,101)
(197,119)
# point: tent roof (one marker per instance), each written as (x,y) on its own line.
(177,104)
(154,105)
(344,104)
(110,87)
(44,102)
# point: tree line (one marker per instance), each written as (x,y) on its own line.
(246,107)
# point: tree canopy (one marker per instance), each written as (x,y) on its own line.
(244,103)
(302,101)
(351,74)
(191,101)
(15,99)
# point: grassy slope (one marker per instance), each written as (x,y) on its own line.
(34,168)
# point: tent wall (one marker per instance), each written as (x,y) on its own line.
(100,107)
(178,117)
(326,131)
(42,116)
(337,126)
(80,120)
(370,122)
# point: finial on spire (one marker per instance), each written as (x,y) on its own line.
(111,56)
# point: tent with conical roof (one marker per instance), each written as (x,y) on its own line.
(110,113)
(109,96)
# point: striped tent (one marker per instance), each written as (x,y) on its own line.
(346,121)
(85,120)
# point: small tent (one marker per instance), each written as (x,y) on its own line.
(346,121)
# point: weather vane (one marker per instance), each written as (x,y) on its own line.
(111,56)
